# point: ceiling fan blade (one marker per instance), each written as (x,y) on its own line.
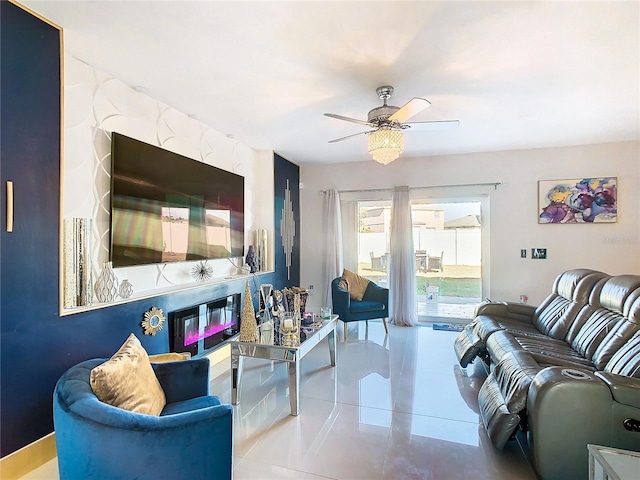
(354,120)
(409,109)
(436,125)
(349,136)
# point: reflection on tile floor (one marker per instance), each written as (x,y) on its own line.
(395,407)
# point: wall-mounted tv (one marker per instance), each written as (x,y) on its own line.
(169,208)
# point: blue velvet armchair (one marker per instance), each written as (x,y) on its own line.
(192,437)
(374,304)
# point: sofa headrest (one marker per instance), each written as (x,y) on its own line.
(576,285)
(632,307)
(619,293)
(596,291)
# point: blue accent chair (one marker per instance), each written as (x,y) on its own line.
(374,304)
(192,437)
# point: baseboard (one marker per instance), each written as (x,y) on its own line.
(28,458)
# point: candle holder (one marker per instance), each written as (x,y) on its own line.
(290,330)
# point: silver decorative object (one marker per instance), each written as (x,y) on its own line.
(287,229)
(77,262)
(261,249)
(266,301)
(202,271)
(265,333)
(106,287)
(126,289)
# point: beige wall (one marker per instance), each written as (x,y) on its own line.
(512,217)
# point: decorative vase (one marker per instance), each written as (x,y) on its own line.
(261,249)
(249,326)
(289,295)
(126,289)
(77,262)
(106,287)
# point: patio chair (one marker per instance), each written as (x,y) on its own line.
(435,263)
(378,263)
(421,260)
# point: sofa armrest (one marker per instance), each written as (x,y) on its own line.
(510,310)
(625,390)
(340,300)
(183,380)
(376,293)
(96,440)
(566,410)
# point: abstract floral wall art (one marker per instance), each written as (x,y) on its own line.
(579,200)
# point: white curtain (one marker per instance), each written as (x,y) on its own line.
(332,226)
(402,265)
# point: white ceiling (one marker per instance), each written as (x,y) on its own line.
(516,74)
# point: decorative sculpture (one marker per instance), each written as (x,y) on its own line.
(202,271)
(278,305)
(249,326)
(266,302)
(251,259)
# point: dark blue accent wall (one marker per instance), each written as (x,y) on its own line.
(30,158)
(285,171)
(36,344)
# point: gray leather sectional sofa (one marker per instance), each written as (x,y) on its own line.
(566,372)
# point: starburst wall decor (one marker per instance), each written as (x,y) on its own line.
(153,321)
(202,271)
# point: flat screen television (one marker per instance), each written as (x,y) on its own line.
(169,208)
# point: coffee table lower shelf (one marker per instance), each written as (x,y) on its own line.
(291,355)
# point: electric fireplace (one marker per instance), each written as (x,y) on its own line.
(205,326)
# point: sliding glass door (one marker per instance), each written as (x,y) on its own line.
(447,238)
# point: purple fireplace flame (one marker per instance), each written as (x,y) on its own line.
(204,326)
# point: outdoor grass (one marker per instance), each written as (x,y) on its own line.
(451,287)
(454,281)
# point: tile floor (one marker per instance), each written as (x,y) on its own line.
(395,407)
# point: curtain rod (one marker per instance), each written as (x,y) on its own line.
(486,184)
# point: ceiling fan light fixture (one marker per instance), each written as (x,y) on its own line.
(386,145)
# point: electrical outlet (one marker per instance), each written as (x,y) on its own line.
(311,290)
(523,253)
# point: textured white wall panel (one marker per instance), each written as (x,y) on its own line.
(97,104)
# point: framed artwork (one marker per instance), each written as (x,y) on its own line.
(578,200)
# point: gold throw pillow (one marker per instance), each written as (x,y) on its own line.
(128,381)
(356,285)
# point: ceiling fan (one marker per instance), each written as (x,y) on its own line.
(387,122)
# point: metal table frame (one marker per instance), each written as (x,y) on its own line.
(291,355)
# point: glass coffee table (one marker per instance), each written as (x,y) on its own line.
(291,355)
